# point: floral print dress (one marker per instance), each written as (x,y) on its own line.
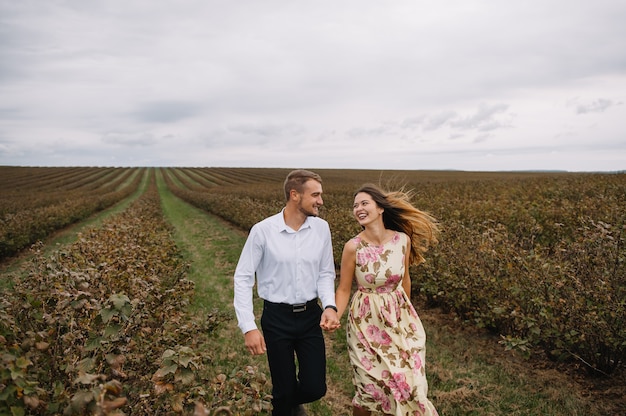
(386,339)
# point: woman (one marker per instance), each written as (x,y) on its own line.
(386,339)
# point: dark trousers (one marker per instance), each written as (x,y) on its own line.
(290,335)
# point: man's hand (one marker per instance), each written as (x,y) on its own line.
(255,343)
(330,320)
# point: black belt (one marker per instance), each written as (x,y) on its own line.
(298,307)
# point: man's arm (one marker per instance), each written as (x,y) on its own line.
(244,282)
(326,276)
(326,285)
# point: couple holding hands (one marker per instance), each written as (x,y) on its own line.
(289,257)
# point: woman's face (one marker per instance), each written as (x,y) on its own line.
(365,210)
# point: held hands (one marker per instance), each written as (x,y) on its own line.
(255,342)
(330,320)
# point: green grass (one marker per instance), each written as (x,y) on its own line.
(212,248)
(471,374)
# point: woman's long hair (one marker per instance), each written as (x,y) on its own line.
(400,215)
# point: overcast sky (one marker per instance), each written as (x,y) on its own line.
(403,84)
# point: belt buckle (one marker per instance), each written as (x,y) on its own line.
(300,307)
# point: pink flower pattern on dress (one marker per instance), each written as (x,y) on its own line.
(369,255)
(377,335)
(370,278)
(365,307)
(386,339)
(367,364)
(364,342)
(417,361)
(379,396)
(399,387)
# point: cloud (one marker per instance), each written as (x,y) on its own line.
(337,84)
(482,119)
(439,120)
(167,111)
(267,130)
(133,139)
(597,106)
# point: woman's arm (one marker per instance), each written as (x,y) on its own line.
(346,276)
(406,279)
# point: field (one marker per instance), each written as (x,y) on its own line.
(135,314)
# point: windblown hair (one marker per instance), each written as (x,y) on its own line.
(296,180)
(400,215)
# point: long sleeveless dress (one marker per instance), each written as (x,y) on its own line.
(386,339)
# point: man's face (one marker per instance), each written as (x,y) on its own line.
(310,200)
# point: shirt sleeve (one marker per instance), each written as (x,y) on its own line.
(326,277)
(244,280)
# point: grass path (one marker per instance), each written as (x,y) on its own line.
(212,248)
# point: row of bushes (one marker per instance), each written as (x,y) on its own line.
(541,263)
(36,215)
(101,328)
(88,326)
(31,187)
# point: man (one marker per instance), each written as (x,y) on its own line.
(292,257)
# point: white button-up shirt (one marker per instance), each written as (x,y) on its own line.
(290,266)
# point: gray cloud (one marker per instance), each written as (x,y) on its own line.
(258,83)
(268,130)
(597,106)
(482,117)
(141,138)
(167,111)
(439,120)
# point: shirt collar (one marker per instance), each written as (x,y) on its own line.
(282,226)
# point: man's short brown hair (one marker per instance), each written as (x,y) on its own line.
(296,180)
